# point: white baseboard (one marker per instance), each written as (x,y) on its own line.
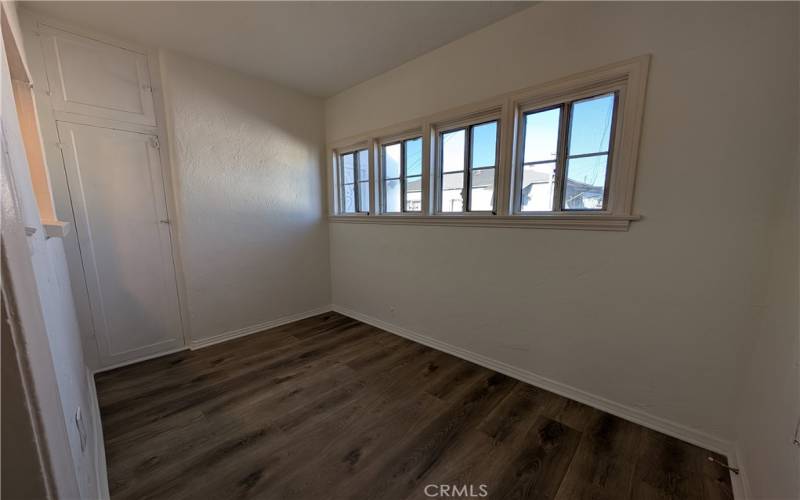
(249,330)
(100,467)
(640,417)
(138,360)
(741,485)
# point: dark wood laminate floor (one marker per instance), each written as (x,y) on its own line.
(329,407)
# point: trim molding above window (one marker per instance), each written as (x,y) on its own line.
(565,156)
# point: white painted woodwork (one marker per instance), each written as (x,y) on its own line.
(117,189)
(93,78)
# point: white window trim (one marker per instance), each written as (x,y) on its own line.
(629,78)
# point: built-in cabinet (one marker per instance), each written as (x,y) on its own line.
(96,104)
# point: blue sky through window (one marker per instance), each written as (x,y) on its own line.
(590,128)
(541,135)
(484,145)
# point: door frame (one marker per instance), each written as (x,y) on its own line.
(54,159)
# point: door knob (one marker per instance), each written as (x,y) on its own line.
(164,221)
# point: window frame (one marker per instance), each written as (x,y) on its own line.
(565,104)
(628,78)
(380,191)
(339,176)
(467,124)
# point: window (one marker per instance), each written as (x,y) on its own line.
(565,155)
(354,182)
(467,168)
(402,176)
(562,154)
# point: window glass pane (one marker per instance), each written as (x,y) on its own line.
(347,168)
(348,198)
(590,128)
(393,192)
(538,182)
(414,194)
(452,187)
(484,145)
(414,157)
(585,183)
(453,151)
(541,135)
(391,161)
(482,194)
(363,196)
(363,165)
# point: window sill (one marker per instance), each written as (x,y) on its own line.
(56,228)
(592,222)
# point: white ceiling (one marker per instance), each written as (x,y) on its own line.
(320,48)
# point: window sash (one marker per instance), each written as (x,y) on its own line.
(358,203)
(562,154)
(402,176)
(466,170)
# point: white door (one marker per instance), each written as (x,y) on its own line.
(93,78)
(117,191)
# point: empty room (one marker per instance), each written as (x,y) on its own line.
(400,250)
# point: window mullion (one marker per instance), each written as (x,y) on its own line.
(356,189)
(465,197)
(402,176)
(561,158)
(340,183)
(383,179)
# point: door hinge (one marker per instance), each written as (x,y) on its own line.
(60,145)
(154,142)
(147,88)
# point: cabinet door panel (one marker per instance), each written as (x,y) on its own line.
(120,211)
(97,79)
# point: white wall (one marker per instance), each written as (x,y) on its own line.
(769,405)
(63,342)
(659,318)
(246,162)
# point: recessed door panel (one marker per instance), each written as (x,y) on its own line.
(117,190)
(97,79)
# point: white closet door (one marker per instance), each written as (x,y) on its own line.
(117,192)
(97,79)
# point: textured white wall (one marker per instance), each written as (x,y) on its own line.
(659,318)
(247,169)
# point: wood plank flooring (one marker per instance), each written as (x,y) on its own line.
(330,407)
